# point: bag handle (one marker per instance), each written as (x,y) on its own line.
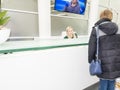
(97,36)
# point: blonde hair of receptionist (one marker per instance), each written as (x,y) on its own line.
(106,14)
(68,28)
(70,33)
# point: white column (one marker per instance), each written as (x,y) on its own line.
(93,14)
(44,18)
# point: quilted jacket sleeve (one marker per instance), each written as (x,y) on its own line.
(92,45)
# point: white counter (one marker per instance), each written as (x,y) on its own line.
(64,68)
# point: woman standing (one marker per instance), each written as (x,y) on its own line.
(109,50)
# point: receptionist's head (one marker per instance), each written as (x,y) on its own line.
(69,30)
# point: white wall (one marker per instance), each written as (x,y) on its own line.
(53,69)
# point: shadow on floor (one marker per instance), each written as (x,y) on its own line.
(93,87)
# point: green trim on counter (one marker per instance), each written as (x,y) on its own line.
(40,44)
(39,48)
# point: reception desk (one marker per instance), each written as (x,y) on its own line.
(56,64)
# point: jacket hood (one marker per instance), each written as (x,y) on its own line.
(109,28)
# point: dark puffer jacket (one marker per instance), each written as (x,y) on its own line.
(109,49)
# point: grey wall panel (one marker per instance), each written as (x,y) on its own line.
(26,5)
(23,25)
(59,24)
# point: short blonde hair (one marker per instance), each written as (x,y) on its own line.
(106,14)
(69,27)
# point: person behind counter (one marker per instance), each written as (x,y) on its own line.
(70,34)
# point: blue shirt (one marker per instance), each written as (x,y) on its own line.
(70,8)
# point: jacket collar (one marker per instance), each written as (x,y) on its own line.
(102,20)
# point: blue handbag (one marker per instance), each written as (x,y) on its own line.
(95,65)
